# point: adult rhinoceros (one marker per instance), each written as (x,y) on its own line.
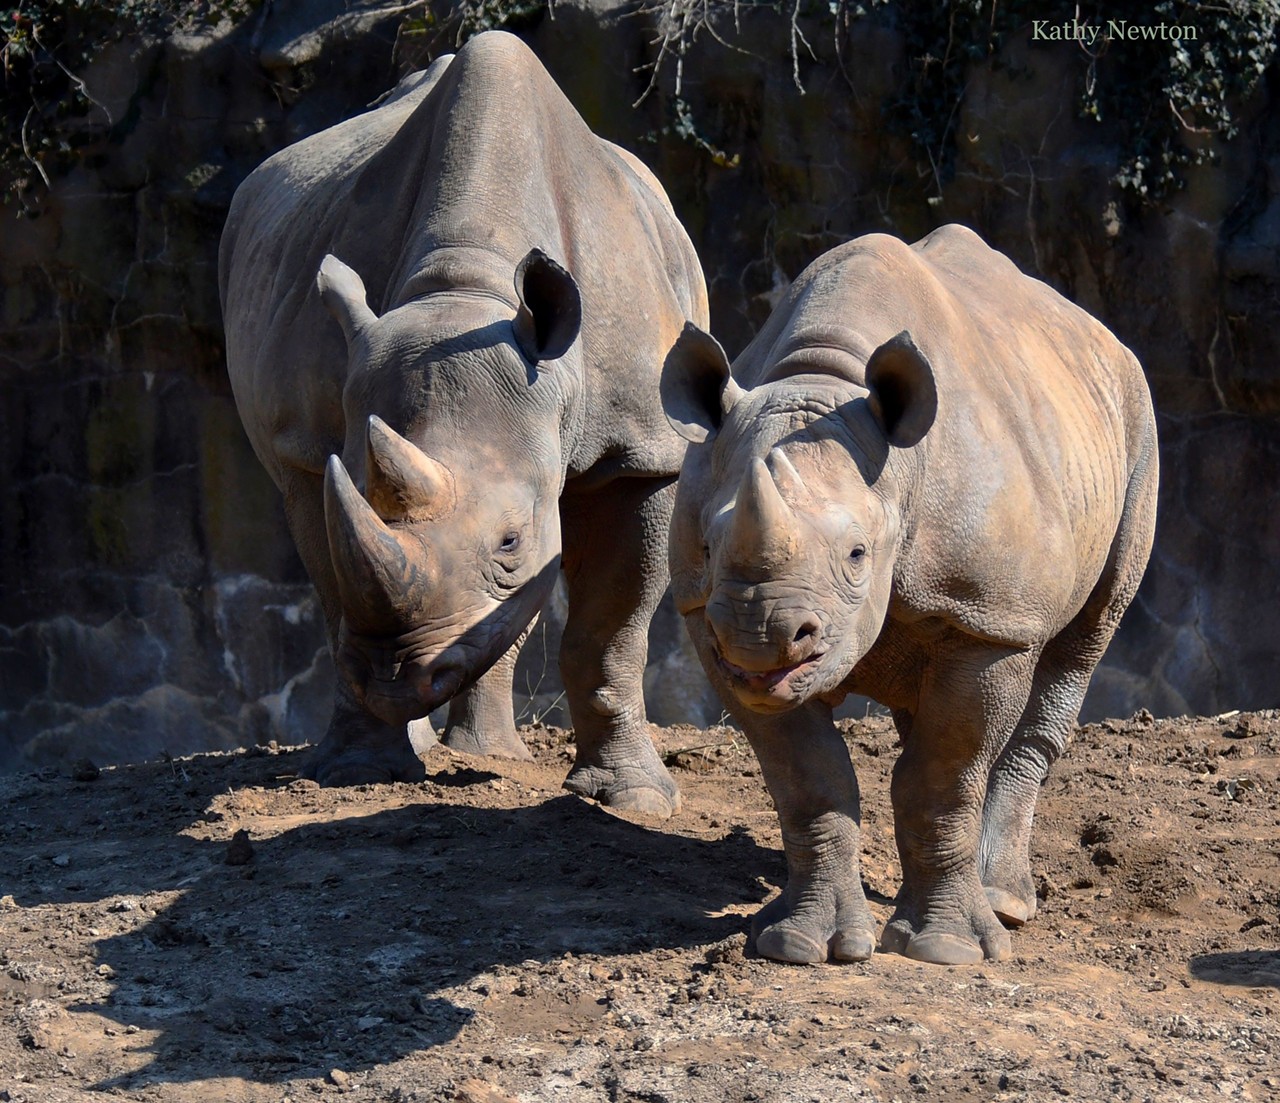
(930,479)
(463,403)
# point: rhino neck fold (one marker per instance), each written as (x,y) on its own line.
(826,350)
(456,268)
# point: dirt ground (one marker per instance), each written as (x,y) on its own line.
(485,937)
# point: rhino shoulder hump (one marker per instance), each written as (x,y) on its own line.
(499,50)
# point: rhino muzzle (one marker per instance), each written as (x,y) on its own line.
(767,657)
(766,646)
(398,691)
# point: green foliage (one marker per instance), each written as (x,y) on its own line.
(47,114)
(432,27)
(475,16)
(1164,92)
(1189,89)
(1163,96)
(1163,101)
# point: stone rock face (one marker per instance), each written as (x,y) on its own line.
(150,598)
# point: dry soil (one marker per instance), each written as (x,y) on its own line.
(213,928)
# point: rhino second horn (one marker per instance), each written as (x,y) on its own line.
(762,535)
(380,584)
(785,475)
(404,483)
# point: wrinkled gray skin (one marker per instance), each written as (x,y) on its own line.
(930,480)
(446,321)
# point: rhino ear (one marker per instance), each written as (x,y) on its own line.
(550,313)
(343,293)
(697,389)
(904,395)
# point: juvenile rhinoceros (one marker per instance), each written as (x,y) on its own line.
(465,402)
(931,480)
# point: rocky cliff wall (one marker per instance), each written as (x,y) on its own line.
(150,599)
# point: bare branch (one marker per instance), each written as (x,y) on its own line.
(26,149)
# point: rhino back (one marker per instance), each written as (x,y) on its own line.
(1043,417)
(526,171)
(1017,491)
(450,185)
(285,357)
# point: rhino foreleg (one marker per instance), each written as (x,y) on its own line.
(482,719)
(971,698)
(615,567)
(359,749)
(822,911)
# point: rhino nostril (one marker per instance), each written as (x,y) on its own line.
(446,681)
(808,629)
(717,618)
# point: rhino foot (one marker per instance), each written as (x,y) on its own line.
(1004,868)
(946,940)
(811,934)
(649,790)
(498,744)
(1011,909)
(364,765)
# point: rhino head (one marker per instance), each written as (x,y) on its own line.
(788,522)
(441,516)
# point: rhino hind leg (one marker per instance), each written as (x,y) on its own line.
(970,702)
(1014,786)
(615,567)
(822,912)
(1061,679)
(481,718)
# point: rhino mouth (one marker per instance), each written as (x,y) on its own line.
(783,683)
(398,683)
(402,699)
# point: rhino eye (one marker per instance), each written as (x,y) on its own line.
(858,554)
(510,542)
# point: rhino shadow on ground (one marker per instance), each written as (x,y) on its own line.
(1247,968)
(350,936)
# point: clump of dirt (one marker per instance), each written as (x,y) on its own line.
(217,928)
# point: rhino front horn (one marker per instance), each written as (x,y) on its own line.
(762,535)
(404,483)
(380,583)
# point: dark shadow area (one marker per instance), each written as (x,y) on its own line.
(460,777)
(875,897)
(1246,968)
(346,938)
